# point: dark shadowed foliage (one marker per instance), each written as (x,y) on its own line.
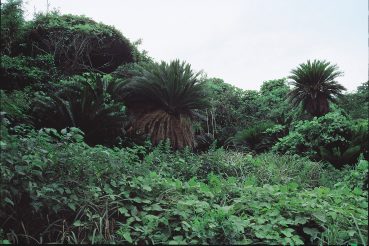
(21,71)
(86,102)
(253,139)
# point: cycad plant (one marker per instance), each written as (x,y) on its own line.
(314,86)
(252,139)
(163,99)
(88,102)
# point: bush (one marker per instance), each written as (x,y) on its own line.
(253,139)
(78,43)
(324,138)
(21,71)
(87,102)
(16,105)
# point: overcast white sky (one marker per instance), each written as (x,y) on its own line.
(244,42)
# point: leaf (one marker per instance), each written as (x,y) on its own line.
(72,206)
(297,240)
(178,238)
(2,144)
(301,220)
(292,185)
(156,207)
(312,232)
(9,201)
(274,212)
(287,232)
(260,235)
(357,191)
(137,199)
(146,187)
(186,224)
(134,211)
(172,242)
(320,216)
(123,210)
(351,233)
(78,223)
(127,237)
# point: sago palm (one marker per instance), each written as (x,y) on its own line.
(314,86)
(163,99)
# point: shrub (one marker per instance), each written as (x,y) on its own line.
(204,141)
(21,71)
(86,102)
(78,43)
(322,139)
(16,105)
(253,139)
(47,173)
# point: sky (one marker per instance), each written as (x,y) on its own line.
(243,42)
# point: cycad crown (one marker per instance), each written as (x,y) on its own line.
(315,85)
(163,99)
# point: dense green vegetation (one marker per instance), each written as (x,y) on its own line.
(102,144)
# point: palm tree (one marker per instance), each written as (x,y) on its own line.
(315,85)
(163,99)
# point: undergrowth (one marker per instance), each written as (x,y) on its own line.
(57,189)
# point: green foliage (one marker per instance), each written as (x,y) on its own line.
(113,202)
(254,138)
(273,103)
(360,136)
(20,71)
(356,104)
(54,188)
(127,71)
(267,168)
(164,99)
(231,109)
(356,176)
(204,141)
(16,105)
(12,25)
(331,137)
(314,85)
(78,43)
(88,102)
(173,87)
